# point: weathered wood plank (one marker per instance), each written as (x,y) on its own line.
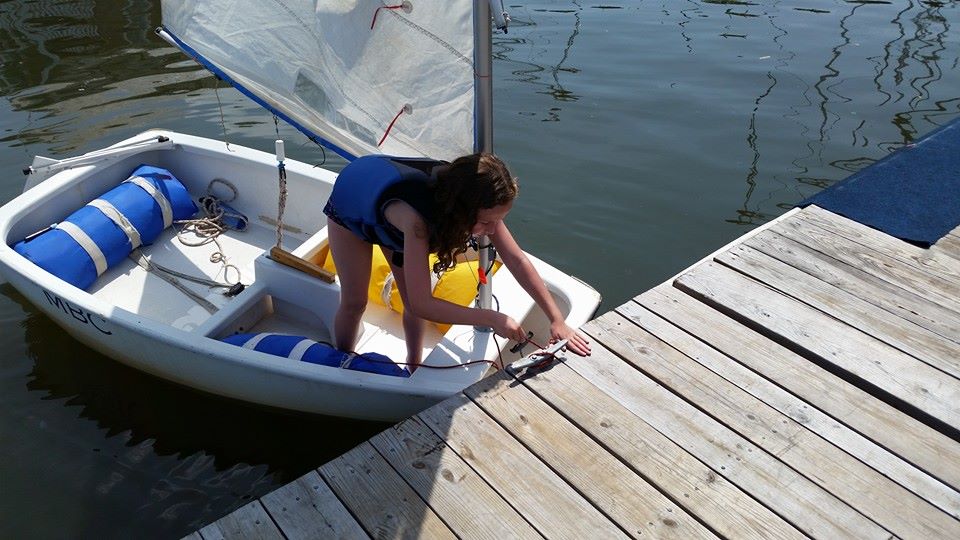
(907,437)
(667,354)
(716,501)
(923,259)
(554,508)
(927,285)
(249,522)
(948,246)
(378,497)
(470,507)
(306,508)
(611,486)
(866,286)
(914,340)
(787,321)
(807,506)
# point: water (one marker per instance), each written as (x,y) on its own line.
(645,135)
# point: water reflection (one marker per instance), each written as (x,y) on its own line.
(532,73)
(826,107)
(166,455)
(905,71)
(81,70)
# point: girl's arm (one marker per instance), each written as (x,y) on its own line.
(528,277)
(416,273)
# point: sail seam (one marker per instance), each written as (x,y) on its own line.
(435,38)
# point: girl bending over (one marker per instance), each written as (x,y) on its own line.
(414,207)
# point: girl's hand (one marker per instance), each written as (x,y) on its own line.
(575,342)
(508,328)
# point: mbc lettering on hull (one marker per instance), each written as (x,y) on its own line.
(78,314)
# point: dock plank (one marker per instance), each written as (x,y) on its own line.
(714,500)
(467,504)
(667,354)
(806,505)
(949,245)
(306,508)
(622,495)
(923,259)
(788,321)
(908,438)
(864,285)
(914,340)
(378,497)
(249,522)
(932,287)
(551,505)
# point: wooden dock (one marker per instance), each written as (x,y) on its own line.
(802,382)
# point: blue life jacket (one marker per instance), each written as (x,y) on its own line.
(369,183)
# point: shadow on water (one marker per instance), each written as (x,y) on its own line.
(197,456)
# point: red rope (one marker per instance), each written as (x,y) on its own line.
(374,21)
(394,121)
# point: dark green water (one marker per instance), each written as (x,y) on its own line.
(645,134)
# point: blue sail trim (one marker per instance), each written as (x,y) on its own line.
(257,99)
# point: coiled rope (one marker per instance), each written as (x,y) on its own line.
(207,229)
(211,226)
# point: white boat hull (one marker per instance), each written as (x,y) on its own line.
(141,321)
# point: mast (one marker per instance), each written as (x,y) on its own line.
(483,131)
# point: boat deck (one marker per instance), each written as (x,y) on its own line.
(130,287)
(803,381)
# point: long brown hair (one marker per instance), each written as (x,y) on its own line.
(464,187)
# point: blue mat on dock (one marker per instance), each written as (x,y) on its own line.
(912,194)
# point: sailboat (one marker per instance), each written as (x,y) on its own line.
(184,257)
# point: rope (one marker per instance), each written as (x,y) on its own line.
(281,200)
(208,228)
(375,13)
(223,124)
(405,109)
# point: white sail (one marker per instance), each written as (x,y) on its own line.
(362,76)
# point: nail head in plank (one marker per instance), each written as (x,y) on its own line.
(611,486)
(379,498)
(914,340)
(306,508)
(912,255)
(249,522)
(554,508)
(869,287)
(820,336)
(928,285)
(470,507)
(907,437)
(899,510)
(717,502)
(798,500)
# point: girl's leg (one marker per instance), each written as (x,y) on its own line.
(352,257)
(413,326)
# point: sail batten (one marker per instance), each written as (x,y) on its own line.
(341,77)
